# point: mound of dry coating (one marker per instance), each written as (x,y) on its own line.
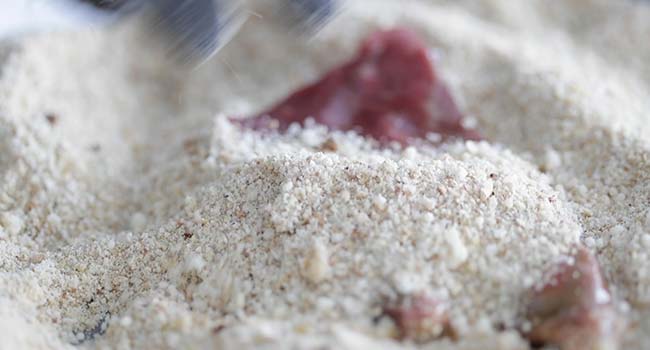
(307,239)
(132,217)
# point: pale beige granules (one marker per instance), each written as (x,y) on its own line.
(140,211)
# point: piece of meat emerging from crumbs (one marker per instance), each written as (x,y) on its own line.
(573,309)
(390,91)
(419,318)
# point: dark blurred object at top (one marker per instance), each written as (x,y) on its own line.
(107,4)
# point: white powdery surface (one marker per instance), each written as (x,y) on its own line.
(134,214)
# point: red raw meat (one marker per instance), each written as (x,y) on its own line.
(390,91)
(420,318)
(574,309)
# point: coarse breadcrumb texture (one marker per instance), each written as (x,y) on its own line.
(135,215)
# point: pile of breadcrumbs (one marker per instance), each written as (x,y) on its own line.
(135,215)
